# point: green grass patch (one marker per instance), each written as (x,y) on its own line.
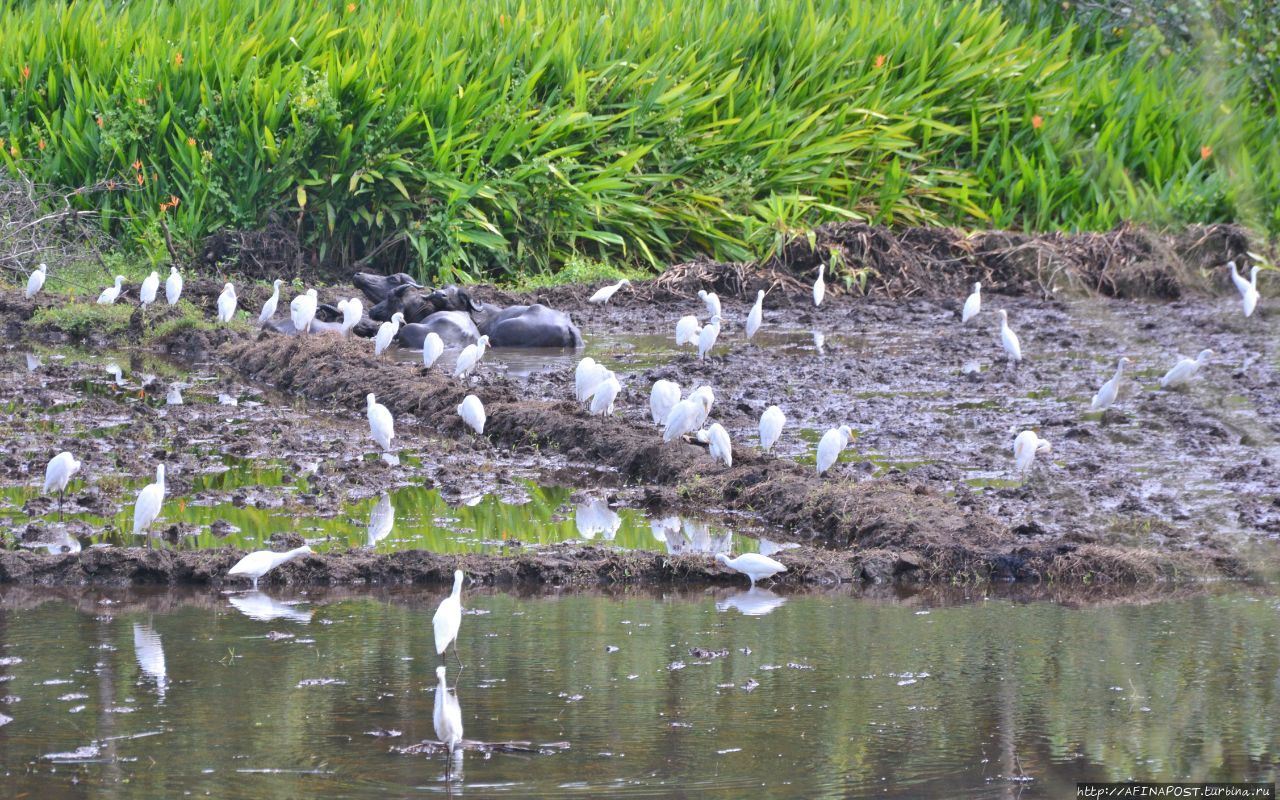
(82,320)
(578,270)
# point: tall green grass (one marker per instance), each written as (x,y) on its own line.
(503,137)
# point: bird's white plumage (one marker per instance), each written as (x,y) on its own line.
(273,302)
(149,652)
(472,412)
(448,616)
(35,281)
(662,398)
(719,446)
(173,286)
(707,336)
(712,301)
(1185,370)
(432,347)
(1025,447)
(704,410)
(59,472)
(352,312)
(469,357)
(819,286)
(605,393)
(756,315)
(972,304)
(1009,339)
(227,303)
(606,293)
(772,422)
(1250,300)
(150,499)
(381,520)
(150,285)
(387,333)
(260,562)
(832,444)
(586,377)
(687,328)
(381,425)
(1110,390)
(446,714)
(683,418)
(111,293)
(302,311)
(753,565)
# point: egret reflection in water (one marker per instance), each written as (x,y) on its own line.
(754,602)
(381,520)
(595,517)
(257,605)
(149,651)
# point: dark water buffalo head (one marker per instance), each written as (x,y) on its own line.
(407,300)
(452,298)
(376,287)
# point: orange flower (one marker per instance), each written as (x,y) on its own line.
(173,201)
(351,7)
(111,186)
(1037,122)
(1206,151)
(142,101)
(13,150)
(880,59)
(191,142)
(41,145)
(137,165)
(177,59)
(99,120)
(26,71)
(141,179)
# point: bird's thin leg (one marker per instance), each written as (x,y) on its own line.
(255,584)
(60,492)
(458,657)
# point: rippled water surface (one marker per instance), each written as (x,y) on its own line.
(254,696)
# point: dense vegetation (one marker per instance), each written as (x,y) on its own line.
(499,137)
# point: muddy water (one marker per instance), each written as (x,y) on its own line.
(247,696)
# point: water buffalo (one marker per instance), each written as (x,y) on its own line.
(376,287)
(454,327)
(514,326)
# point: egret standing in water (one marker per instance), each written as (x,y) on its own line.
(35,281)
(260,562)
(150,499)
(387,333)
(756,315)
(432,347)
(833,442)
(662,398)
(720,447)
(753,565)
(687,329)
(173,286)
(1025,447)
(227,303)
(712,301)
(469,357)
(58,474)
(273,302)
(111,293)
(819,287)
(381,425)
(472,412)
(606,293)
(1185,370)
(771,424)
(302,311)
(448,619)
(972,304)
(446,717)
(1009,339)
(352,313)
(707,337)
(1110,390)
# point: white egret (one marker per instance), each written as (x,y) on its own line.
(174,396)
(606,293)
(833,442)
(147,508)
(446,717)
(147,293)
(1012,347)
(819,286)
(387,333)
(687,329)
(753,565)
(432,347)
(302,311)
(260,562)
(448,618)
(273,302)
(1025,447)
(469,357)
(605,393)
(586,377)
(227,303)
(756,315)
(662,398)
(472,412)
(1111,389)
(705,410)
(1251,297)
(1185,370)
(58,474)
(1242,283)
(707,336)
(113,370)
(684,417)
(712,301)
(173,286)
(381,425)
(721,448)
(772,422)
(36,280)
(352,312)
(381,520)
(972,304)
(110,293)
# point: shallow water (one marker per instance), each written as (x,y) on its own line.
(246,696)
